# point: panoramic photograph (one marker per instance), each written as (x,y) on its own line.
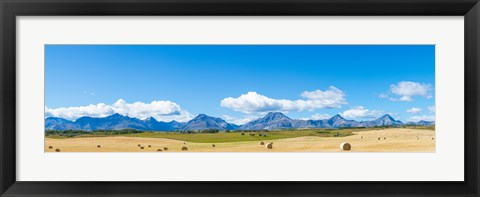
(239,98)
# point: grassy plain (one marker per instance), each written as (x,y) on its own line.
(307,140)
(226,136)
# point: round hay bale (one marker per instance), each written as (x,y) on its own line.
(50,147)
(165,148)
(141,147)
(57,150)
(149,146)
(269,146)
(345,146)
(159,150)
(433,138)
(418,138)
(361,137)
(184,148)
(99,146)
(378,138)
(243,133)
(384,138)
(262,143)
(213,145)
(184,143)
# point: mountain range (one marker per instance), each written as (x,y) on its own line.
(273,120)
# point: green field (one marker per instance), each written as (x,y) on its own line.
(422,127)
(223,136)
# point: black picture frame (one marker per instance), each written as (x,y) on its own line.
(9,9)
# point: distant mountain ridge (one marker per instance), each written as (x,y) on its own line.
(273,120)
(112,122)
(203,122)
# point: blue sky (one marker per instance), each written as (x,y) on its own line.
(240,82)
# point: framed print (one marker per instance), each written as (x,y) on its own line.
(281,97)
(249,121)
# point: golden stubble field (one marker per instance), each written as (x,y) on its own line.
(391,140)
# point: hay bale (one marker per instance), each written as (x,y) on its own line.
(159,150)
(379,138)
(345,146)
(141,147)
(418,138)
(184,148)
(149,146)
(433,138)
(184,143)
(243,133)
(269,146)
(384,138)
(213,145)
(361,137)
(57,150)
(165,148)
(50,147)
(262,143)
(99,146)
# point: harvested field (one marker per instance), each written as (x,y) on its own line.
(378,140)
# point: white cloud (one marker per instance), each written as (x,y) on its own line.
(89,93)
(414,110)
(146,110)
(383,96)
(407,89)
(72,113)
(253,102)
(160,110)
(239,121)
(418,118)
(431,109)
(361,112)
(403,98)
(317,116)
(183,116)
